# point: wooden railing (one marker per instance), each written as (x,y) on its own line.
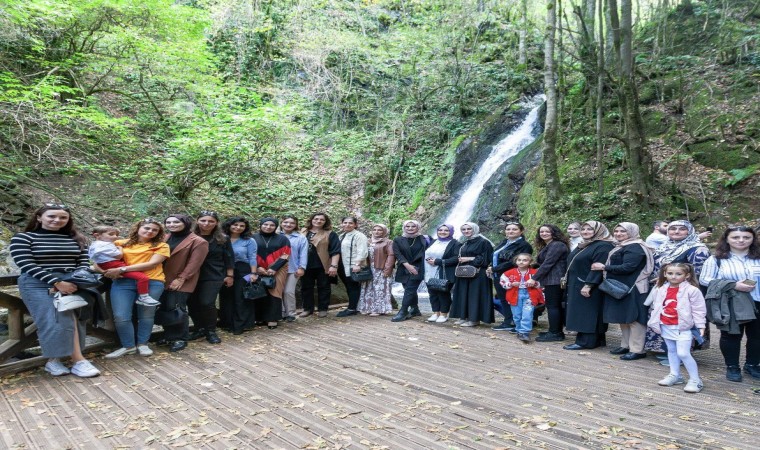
(21,337)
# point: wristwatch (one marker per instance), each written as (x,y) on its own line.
(122,269)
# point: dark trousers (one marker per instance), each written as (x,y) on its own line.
(319,277)
(440,301)
(501,296)
(554,307)
(730,344)
(353,288)
(169,301)
(410,294)
(202,304)
(235,312)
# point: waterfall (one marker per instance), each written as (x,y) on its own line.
(462,210)
(505,149)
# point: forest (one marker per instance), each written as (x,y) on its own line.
(125,109)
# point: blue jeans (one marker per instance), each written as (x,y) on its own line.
(123,296)
(523,312)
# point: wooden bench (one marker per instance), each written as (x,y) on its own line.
(21,337)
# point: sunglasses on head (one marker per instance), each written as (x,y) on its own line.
(150,220)
(57,206)
(741,228)
(206,212)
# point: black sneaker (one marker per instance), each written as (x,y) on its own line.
(213,338)
(733,373)
(752,369)
(197,334)
(551,337)
(523,337)
(346,313)
(503,327)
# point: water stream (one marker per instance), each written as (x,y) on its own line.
(462,210)
(505,149)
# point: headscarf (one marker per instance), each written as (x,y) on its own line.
(634,237)
(384,236)
(601,233)
(411,236)
(671,250)
(451,232)
(265,220)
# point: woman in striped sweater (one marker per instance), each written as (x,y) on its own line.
(48,246)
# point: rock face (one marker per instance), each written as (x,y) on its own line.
(499,197)
(15,206)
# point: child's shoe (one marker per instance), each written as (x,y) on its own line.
(693,386)
(671,379)
(147,300)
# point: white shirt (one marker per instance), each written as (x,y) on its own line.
(735,268)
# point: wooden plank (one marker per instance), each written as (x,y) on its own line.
(12,302)
(14,345)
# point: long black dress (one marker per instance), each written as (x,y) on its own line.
(625,266)
(584,314)
(473,297)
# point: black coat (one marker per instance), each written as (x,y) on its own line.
(552,262)
(505,257)
(625,266)
(450,257)
(584,314)
(473,297)
(410,251)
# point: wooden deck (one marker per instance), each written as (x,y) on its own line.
(365,382)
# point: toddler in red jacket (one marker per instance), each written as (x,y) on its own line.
(521,298)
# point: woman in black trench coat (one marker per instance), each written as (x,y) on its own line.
(630,263)
(473,297)
(584,299)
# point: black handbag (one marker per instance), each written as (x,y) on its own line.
(615,288)
(267,281)
(254,291)
(440,284)
(364,274)
(465,270)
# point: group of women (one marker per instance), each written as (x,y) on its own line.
(193,262)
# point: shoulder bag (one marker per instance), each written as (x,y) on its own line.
(465,270)
(440,283)
(563,280)
(615,288)
(365,273)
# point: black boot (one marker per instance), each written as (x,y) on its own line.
(213,338)
(402,315)
(415,312)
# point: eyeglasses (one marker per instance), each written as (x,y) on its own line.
(206,212)
(57,206)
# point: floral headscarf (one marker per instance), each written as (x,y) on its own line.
(671,250)
(634,237)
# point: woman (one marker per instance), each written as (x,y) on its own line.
(737,259)
(574,231)
(353,256)
(440,261)
(409,249)
(321,264)
(182,270)
(218,270)
(375,297)
(473,298)
(236,313)
(299,248)
(143,251)
(50,244)
(683,246)
(553,247)
(503,257)
(272,261)
(630,263)
(584,299)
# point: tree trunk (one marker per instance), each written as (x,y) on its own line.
(550,127)
(639,160)
(522,54)
(599,102)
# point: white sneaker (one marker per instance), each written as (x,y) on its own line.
(56,368)
(433,318)
(460,322)
(442,319)
(693,386)
(121,352)
(84,369)
(144,350)
(147,301)
(670,380)
(470,324)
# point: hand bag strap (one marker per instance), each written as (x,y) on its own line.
(571,261)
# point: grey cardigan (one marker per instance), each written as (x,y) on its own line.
(728,308)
